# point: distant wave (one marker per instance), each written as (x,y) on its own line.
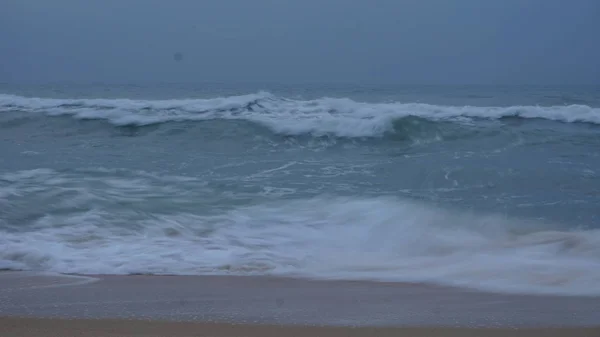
(98,222)
(339,117)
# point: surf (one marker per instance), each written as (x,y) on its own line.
(122,222)
(334,117)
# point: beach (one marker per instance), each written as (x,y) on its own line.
(12,327)
(288,168)
(33,304)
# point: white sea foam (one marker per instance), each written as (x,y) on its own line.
(326,116)
(359,238)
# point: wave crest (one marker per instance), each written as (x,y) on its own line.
(340,117)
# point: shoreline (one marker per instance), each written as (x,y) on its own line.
(283,302)
(41,327)
(287,278)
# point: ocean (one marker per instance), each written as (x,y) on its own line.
(494,188)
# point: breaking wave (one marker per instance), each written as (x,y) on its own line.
(339,117)
(102,226)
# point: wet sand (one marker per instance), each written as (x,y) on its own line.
(37,305)
(13,327)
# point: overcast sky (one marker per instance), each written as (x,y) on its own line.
(292,41)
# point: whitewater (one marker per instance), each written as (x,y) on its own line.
(341,117)
(494,197)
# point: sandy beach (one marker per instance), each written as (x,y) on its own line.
(13,327)
(52,305)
